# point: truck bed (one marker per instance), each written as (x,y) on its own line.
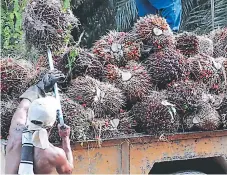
(138,154)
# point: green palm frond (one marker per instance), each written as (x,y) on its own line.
(126,13)
(199,19)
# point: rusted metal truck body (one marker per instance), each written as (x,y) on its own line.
(198,151)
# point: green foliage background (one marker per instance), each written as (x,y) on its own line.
(11,24)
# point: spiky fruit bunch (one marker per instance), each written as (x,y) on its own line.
(47,25)
(205,69)
(78,62)
(153,30)
(16,76)
(117,48)
(132,79)
(77,117)
(155,115)
(8,107)
(187,43)
(185,95)
(222,109)
(165,66)
(115,127)
(88,64)
(219,37)
(205,45)
(103,98)
(205,118)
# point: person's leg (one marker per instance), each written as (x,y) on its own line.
(145,8)
(172,14)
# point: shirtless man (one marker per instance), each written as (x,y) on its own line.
(50,158)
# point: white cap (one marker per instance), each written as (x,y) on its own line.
(43,110)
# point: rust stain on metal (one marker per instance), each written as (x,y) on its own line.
(137,155)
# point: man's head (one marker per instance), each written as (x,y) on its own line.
(41,117)
(42,113)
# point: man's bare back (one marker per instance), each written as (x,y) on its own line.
(52,159)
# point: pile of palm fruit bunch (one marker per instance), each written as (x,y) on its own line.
(16,76)
(113,90)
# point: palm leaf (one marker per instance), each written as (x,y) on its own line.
(126,13)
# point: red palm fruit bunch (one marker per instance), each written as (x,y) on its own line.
(133,79)
(187,43)
(205,45)
(8,108)
(77,62)
(205,69)
(46,24)
(201,68)
(117,48)
(155,115)
(87,63)
(15,76)
(77,117)
(222,109)
(105,99)
(219,37)
(153,30)
(205,118)
(114,127)
(166,66)
(185,95)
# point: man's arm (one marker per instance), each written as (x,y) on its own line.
(65,161)
(20,116)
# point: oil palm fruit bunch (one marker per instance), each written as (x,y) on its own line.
(219,38)
(16,75)
(117,48)
(205,118)
(133,79)
(155,115)
(187,43)
(222,109)
(105,99)
(8,107)
(119,126)
(184,95)
(154,31)
(77,117)
(47,24)
(205,45)
(207,70)
(166,66)
(87,63)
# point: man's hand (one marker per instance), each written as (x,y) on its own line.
(42,87)
(48,81)
(65,132)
